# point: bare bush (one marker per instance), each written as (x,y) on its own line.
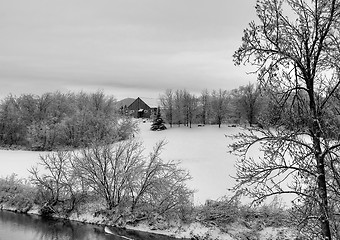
(124,178)
(119,175)
(59,184)
(162,184)
(108,170)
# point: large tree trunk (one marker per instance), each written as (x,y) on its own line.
(320,166)
(322,187)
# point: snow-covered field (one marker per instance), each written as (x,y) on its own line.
(202,150)
(17,162)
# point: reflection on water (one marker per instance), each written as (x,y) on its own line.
(18,226)
(15,226)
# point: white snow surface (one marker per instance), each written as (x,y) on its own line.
(18,162)
(202,150)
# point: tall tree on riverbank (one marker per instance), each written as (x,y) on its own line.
(296,57)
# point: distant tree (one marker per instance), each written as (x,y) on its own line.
(40,136)
(43,106)
(205,105)
(27,104)
(12,130)
(192,108)
(186,98)
(63,104)
(58,120)
(167,102)
(248,102)
(219,100)
(235,114)
(178,107)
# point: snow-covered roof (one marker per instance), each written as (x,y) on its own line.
(151,102)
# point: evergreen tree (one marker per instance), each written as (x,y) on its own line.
(158,122)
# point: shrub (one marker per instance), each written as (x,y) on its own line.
(16,193)
(229,210)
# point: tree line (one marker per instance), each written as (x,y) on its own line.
(251,104)
(243,105)
(60,120)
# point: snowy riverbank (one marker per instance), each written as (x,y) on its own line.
(195,230)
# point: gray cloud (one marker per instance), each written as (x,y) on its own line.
(123,45)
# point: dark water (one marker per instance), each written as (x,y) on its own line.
(15,226)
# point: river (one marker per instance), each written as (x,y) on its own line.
(15,226)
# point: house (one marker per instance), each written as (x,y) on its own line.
(139,109)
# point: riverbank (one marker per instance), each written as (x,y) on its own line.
(181,232)
(226,219)
(255,229)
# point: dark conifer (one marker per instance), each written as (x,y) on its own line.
(158,122)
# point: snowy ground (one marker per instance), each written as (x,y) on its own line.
(202,150)
(17,162)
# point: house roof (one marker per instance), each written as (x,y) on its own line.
(151,102)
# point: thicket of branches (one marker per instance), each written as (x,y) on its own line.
(125,182)
(295,49)
(60,120)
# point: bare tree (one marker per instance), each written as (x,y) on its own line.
(161,184)
(193,107)
(248,102)
(189,103)
(167,101)
(186,98)
(120,175)
(169,191)
(107,170)
(43,106)
(219,105)
(55,120)
(12,130)
(178,107)
(294,54)
(58,181)
(205,105)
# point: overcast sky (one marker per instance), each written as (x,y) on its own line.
(127,48)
